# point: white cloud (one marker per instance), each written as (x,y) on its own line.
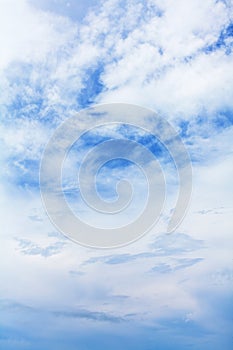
(29,35)
(162,65)
(143,61)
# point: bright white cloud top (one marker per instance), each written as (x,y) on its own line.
(163,291)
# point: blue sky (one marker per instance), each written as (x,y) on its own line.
(165,291)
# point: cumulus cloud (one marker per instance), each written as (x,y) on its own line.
(28,35)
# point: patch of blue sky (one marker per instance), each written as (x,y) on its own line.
(88,140)
(123,131)
(221,42)
(23,173)
(92,86)
(204,125)
(180,324)
(184,128)
(116,169)
(13,338)
(73,9)
(223,119)
(148,140)
(220,300)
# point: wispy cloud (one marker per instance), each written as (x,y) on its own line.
(178,264)
(27,247)
(164,245)
(176,243)
(90,315)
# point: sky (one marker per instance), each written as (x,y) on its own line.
(165,290)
